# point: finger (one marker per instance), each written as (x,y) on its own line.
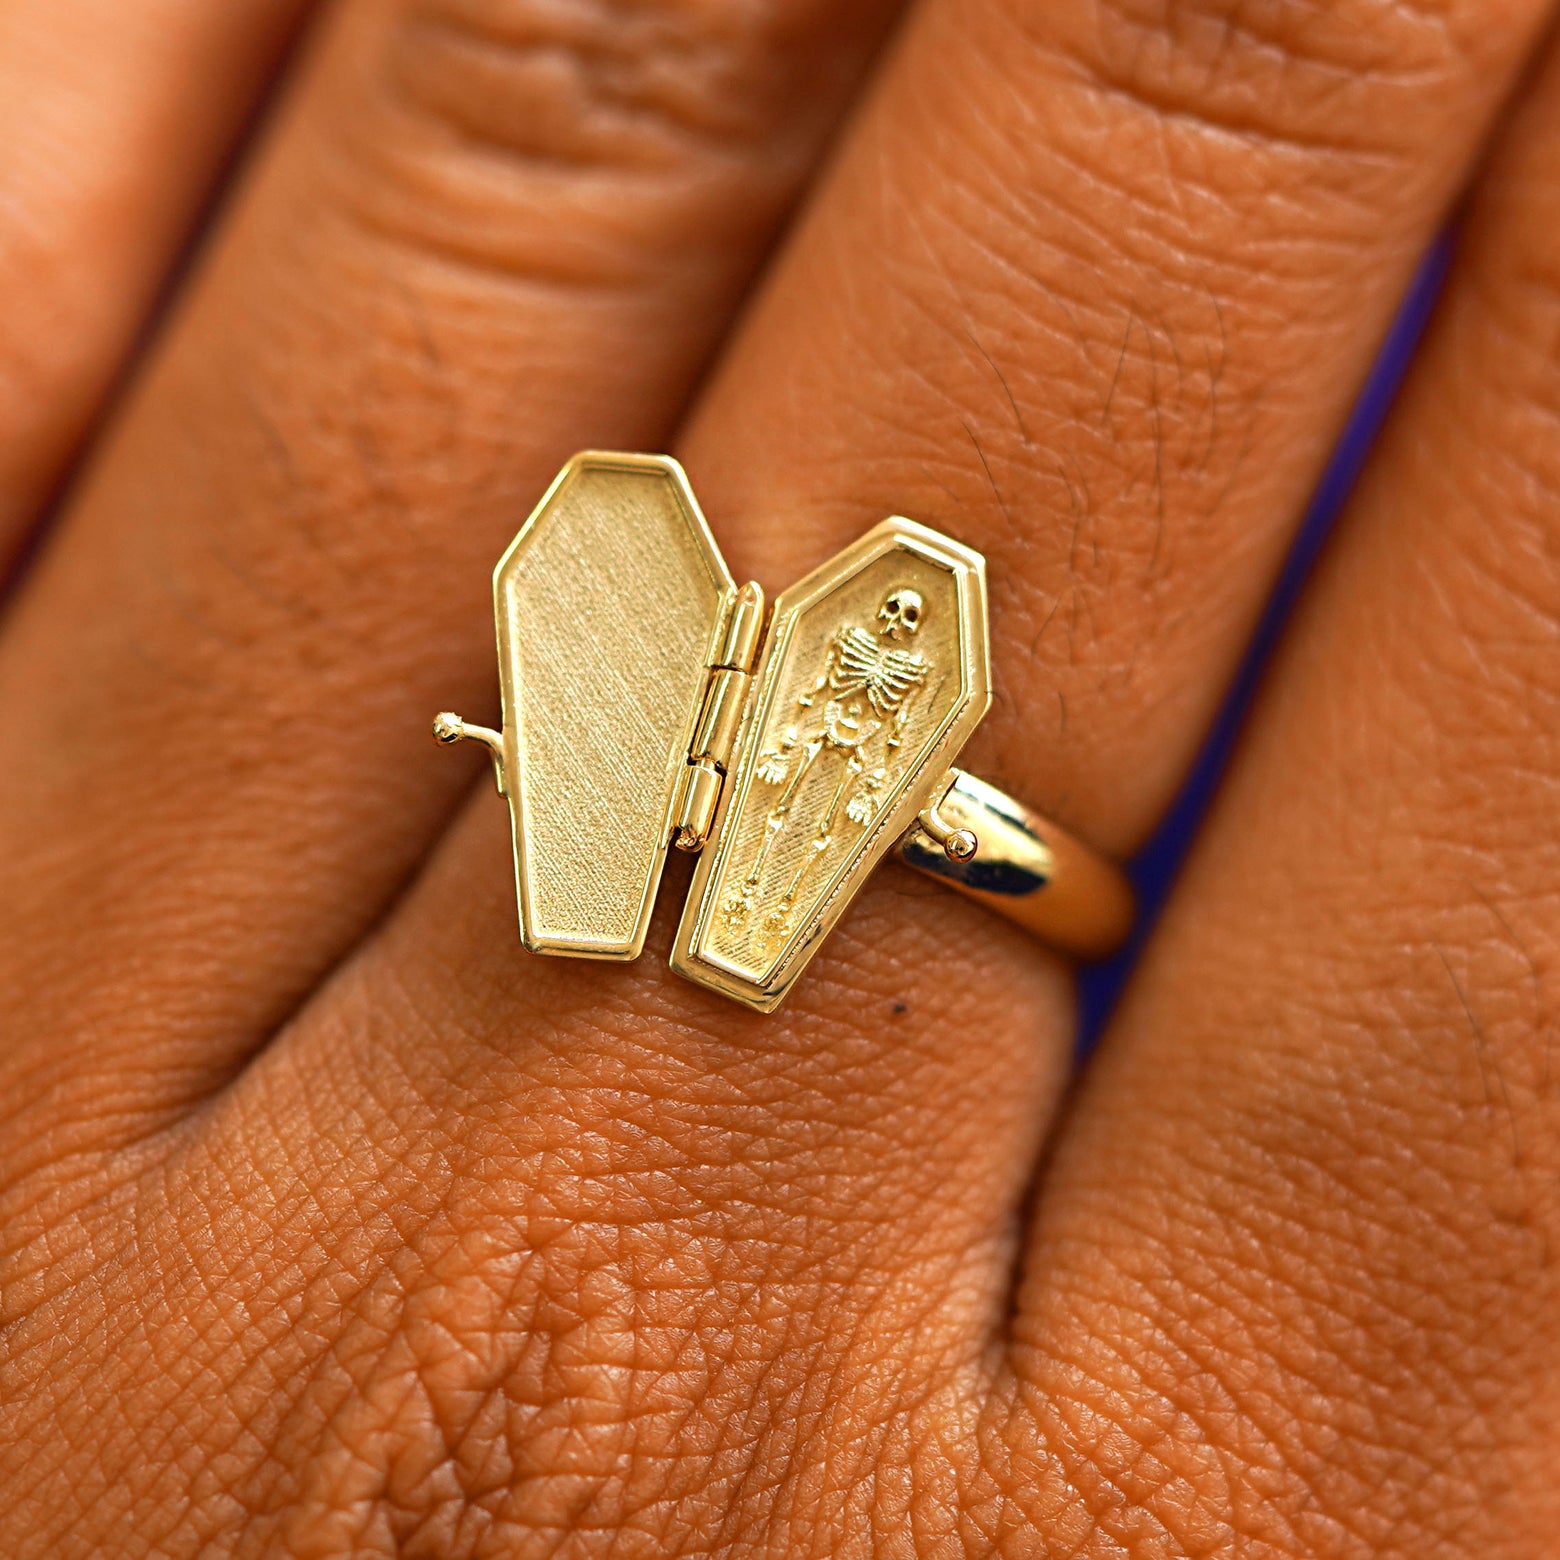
(484,233)
(963,345)
(1309,1202)
(114,121)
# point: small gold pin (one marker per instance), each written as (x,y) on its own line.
(957,844)
(449,728)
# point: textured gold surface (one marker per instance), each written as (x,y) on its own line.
(874,675)
(610,604)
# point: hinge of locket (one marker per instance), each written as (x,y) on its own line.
(720,717)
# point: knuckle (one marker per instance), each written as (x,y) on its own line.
(492,117)
(1294,73)
(595,82)
(607,1340)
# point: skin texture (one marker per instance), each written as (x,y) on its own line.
(332,1225)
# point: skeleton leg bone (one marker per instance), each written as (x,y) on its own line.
(823,838)
(742,902)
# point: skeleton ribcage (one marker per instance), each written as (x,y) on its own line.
(862,662)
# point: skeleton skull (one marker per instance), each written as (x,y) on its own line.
(900,613)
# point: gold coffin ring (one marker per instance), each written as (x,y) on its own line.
(651,702)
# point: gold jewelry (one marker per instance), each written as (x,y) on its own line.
(646,706)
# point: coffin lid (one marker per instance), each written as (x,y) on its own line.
(609,604)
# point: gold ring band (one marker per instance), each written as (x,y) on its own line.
(651,702)
(1025,868)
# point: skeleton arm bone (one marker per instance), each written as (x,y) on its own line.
(902,716)
(828,676)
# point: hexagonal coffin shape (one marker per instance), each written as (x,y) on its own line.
(608,603)
(874,675)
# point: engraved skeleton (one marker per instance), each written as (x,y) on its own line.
(869,684)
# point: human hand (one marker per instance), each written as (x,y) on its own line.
(333,1224)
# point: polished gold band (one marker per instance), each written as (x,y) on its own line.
(1022,866)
